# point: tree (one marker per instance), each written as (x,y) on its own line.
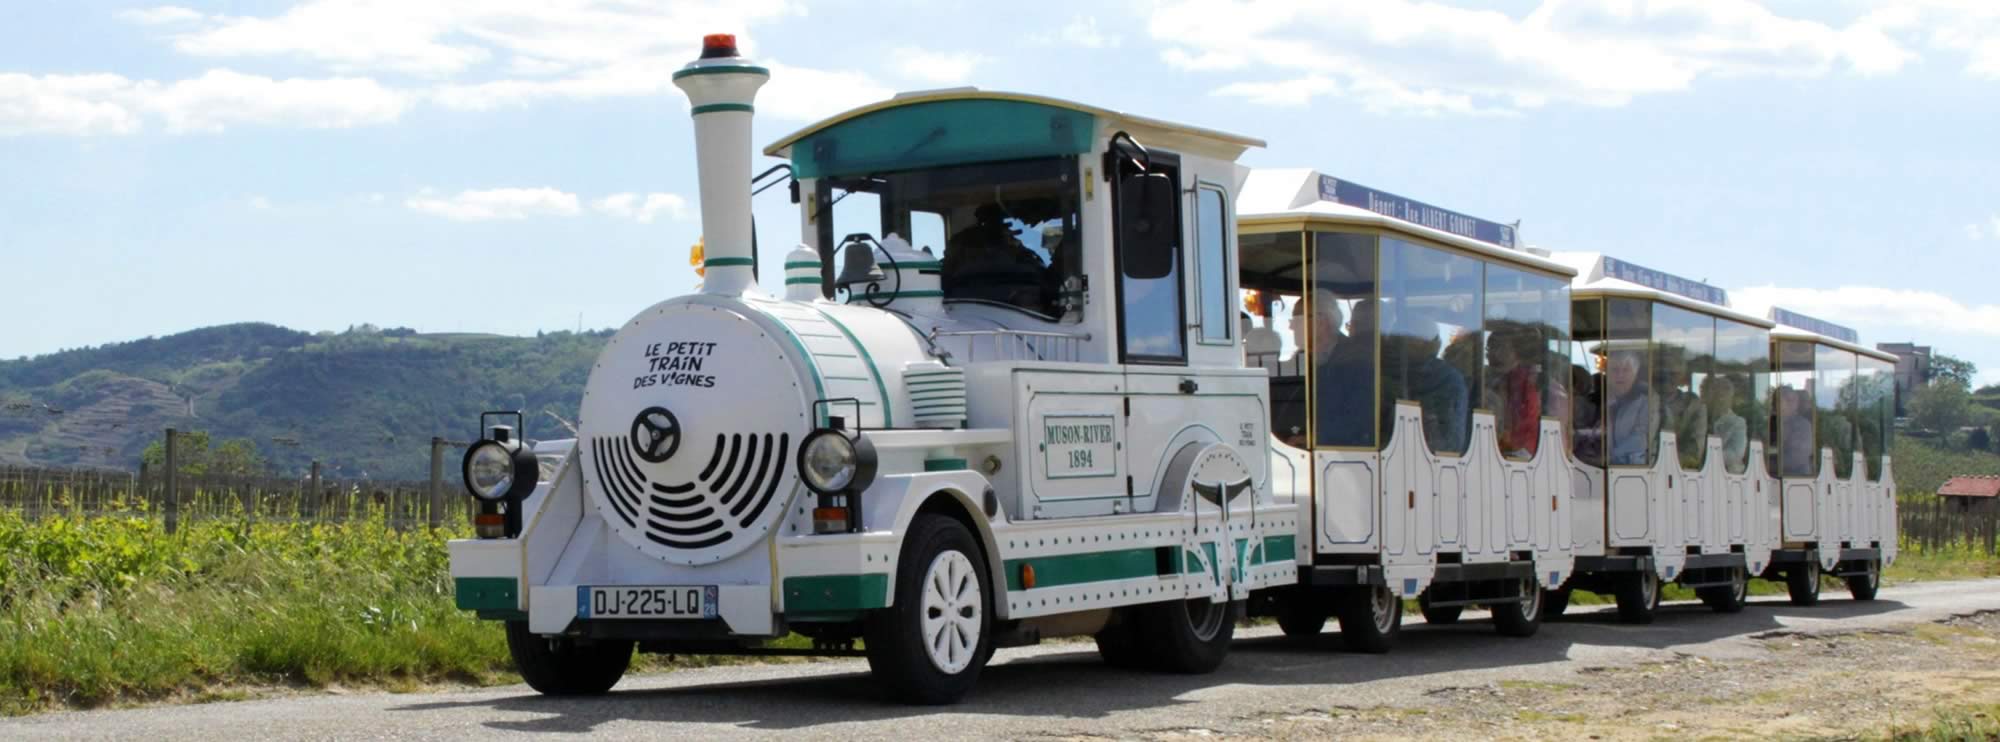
(1979,440)
(1943,407)
(1945,368)
(236,456)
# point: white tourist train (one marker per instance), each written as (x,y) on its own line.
(1013,391)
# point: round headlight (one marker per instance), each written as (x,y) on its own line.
(827,461)
(489,470)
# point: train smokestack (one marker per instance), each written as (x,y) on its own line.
(721,86)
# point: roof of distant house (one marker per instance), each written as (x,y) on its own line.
(1977,486)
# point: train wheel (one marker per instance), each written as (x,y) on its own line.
(1554,602)
(1728,598)
(1190,636)
(1302,615)
(1438,615)
(560,666)
(1523,618)
(928,648)
(1122,644)
(1370,618)
(1802,582)
(1863,587)
(1638,597)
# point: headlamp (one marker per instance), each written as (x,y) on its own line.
(832,460)
(499,467)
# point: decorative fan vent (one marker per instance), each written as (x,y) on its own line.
(730,495)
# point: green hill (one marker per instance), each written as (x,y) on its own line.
(363,402)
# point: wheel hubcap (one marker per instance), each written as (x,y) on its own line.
(1649,588)
(1531,599)
(1812,578)
(1204,618)
(1384,607)
(1739,586)
(951,612)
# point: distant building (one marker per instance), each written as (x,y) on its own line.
(1913,368)
(1967,493)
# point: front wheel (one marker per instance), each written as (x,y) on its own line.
(1728,598)
(1301,615)
(1370,618)
(1863,586)
(1523,618)
(1802,582)
(1190,636)
(929,646)
(561,666)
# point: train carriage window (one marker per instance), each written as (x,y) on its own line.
(1586,418)
(1430,322)
(1272,264)
(1212,253)
(1792,453)
(1338,329)
(1738,393)
(1877,412)
(1624,393)
(1526,359)
(1835,394)
(1683,351)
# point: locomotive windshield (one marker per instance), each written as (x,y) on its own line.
(1005,233)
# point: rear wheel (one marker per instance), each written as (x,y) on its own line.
(1121,644)
(1802,581)
(1188,636)
(929,646)
(1863,587)
(1523,618)
(1728,598)
(1554,602)
(560,666)
(1638,597)
(1438,615)
(1302,615)
(1370,618)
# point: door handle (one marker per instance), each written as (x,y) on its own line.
(1189,386)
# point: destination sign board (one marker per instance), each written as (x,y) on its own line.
(1610,267)
(1413,211)
(1790,318)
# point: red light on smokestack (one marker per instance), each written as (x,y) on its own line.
(718,45)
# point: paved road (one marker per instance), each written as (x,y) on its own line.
(1049,691)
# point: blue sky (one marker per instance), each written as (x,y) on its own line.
(514,165)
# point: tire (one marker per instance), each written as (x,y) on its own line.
(1521,619)
(1728,598)
(1802,582)
(1370,618)
(1638,597)
(1122,645)
(559,666)
(1863,587)
(1190,637)
(1442,615)
(1302,616)
(928,647)
(1554,602)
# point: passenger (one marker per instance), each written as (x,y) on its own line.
(1341,378)
(1683,412)
(1720,395)
(1515,394)
(1412,370)
(1633,412)
(1556,397)
(988,261)
(1795,432)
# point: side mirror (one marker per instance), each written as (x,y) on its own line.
(1148,225)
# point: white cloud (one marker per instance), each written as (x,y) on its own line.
(1081,31)
(66,104)
(159,16)
(642,208)
(1406,55)
(259,202)
(1970,28)
(444,38)
(939,68)
(220,98)
(112,104)
(803,94)
(1282,92)
(1973,232)
(1867,306)
(495,204)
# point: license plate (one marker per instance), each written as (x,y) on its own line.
(658,601)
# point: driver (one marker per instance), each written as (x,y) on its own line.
(987,261)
